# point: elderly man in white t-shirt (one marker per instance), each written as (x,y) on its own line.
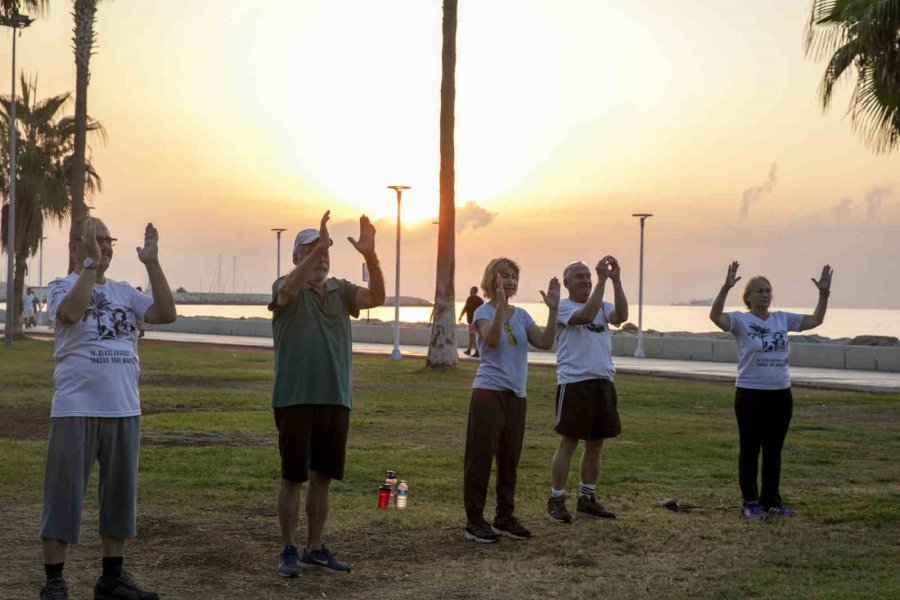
(95,413)
(585,395)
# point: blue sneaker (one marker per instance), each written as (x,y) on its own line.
(323,559)
(289,562)
(753,511)
(780,511)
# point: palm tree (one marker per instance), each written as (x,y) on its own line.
(12,7)
(861,35)
(44,157)
(442,350)
(85,18)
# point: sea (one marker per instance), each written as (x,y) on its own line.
(839,322)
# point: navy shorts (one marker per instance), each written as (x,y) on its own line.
(312,437)
(587,410)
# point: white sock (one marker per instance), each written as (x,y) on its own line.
(557,493)
(588,489)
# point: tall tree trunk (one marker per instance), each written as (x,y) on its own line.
(85,12)
(442,351)
(19,285)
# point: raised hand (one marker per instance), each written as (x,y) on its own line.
(824,282)
(731,278)
(89,239)
(551,298)
(615,272)
(149,253)
(499,292)
(324,237)
(602,269)
(366,243)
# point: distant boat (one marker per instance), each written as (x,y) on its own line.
(694,302)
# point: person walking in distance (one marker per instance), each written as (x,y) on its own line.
(472,302)
(586,401)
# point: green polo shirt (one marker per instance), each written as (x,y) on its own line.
(313,347)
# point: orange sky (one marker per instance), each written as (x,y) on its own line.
(228,118)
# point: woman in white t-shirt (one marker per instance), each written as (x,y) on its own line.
(497,407)
(763,403)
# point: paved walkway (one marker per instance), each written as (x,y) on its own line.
(841,379)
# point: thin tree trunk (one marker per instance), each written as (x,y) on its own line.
(19,286)
(442,351)
(85,11)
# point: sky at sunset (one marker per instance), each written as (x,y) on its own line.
(229,118)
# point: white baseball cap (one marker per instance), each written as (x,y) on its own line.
(307,236)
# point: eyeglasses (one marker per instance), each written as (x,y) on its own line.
(510,336)
(100,240)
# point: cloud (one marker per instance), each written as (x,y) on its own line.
(754,194)
(472,215)
(841,210)
(873,202)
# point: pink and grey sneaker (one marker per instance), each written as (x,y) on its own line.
(780,511)
(753,511)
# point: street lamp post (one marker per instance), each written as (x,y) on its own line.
(395,354)
(278,231)
(639,351)
(15,21)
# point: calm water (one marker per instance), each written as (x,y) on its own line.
(839,322)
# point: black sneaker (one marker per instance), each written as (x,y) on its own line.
(289,562)
(55,589)
(124,587)
(589,505)
(556,510)
(323,559)
(480,532)
(511,528)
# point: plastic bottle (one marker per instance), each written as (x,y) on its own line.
(402,494)
(391,480)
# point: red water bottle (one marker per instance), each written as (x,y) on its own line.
(384,495)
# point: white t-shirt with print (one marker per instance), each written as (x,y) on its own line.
(97,365)
(763,349)
(506,366)
(583,351)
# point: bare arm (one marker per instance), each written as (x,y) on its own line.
(818,316)
(490,330)
(71,308)
(621,314)
(163,308)
(716,314)
(297,278)
(374,295)
(544,339)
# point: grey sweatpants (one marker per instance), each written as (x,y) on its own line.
(75,443)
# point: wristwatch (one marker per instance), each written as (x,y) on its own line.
(89,263)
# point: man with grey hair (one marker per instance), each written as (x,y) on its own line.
(95,412)
(585,396)
(311,397)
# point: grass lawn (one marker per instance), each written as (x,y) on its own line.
(209,472)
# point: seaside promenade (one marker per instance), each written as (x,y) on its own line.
(838,379)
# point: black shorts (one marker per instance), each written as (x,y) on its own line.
(586,410)
(312,437)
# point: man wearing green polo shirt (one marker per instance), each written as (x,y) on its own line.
(312,397)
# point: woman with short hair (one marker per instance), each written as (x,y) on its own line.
(497,406)
(763,403)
